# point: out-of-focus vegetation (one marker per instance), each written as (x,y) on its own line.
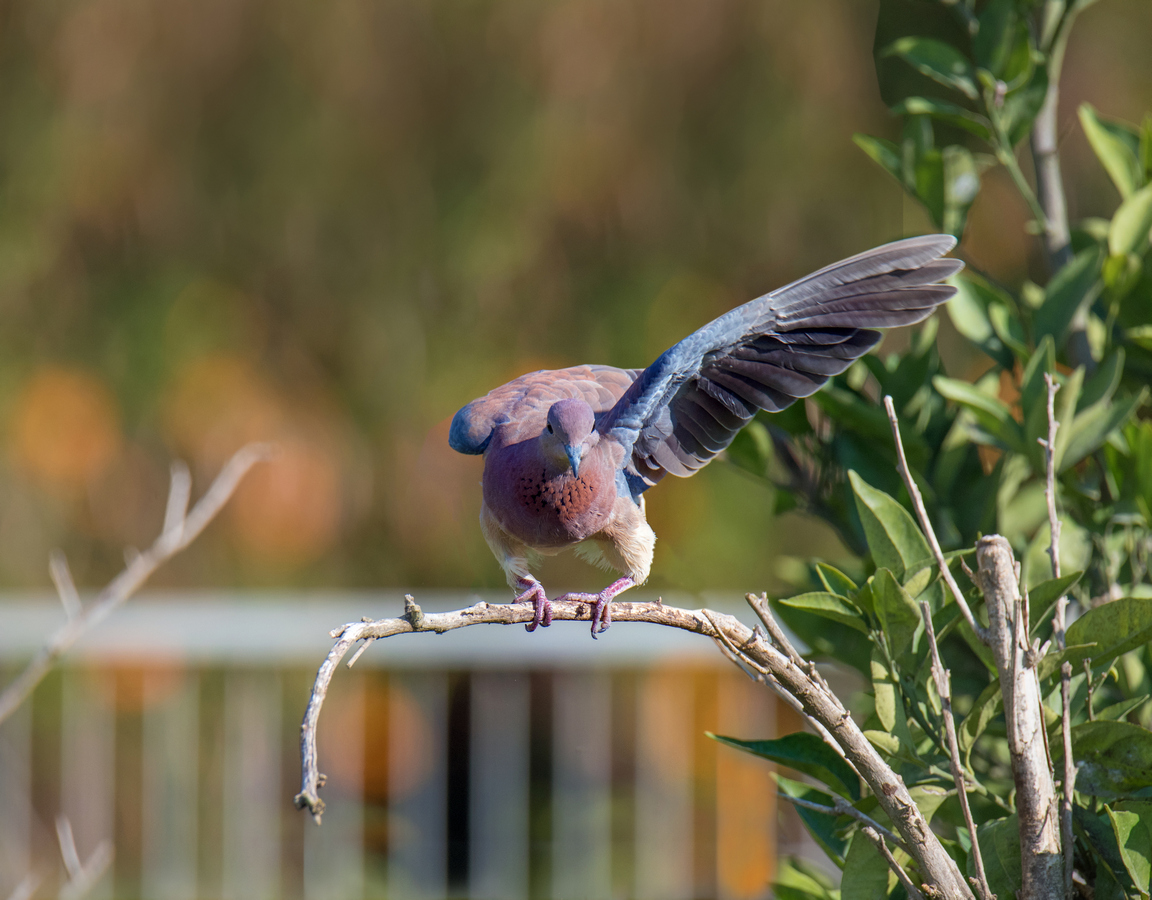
(332,224)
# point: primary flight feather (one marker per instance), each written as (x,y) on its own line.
(569,453)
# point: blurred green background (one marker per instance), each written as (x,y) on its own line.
(332,224)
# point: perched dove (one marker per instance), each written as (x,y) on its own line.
(568,454)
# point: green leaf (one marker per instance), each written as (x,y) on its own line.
(1117,711)
(829,606)
(751,449)
(834,580)
(1076,284)
(883,741)
(939,61)
(1114,628)
(798,880)
(1042,598)
(1021,106)
(825,637)
(991,413)
(983,711)
(992,45)
(1132,825)
(1096,831)
(1117,146)
(885,153)
(1128,232)
(961,185)
(807,753)
(823,827)
(896,610)
(889,709)
(969,312)
(1115,758)
(943,111)
(1000,849)
(894,539)
(928,183)
(866,874)
(1090,429)
(1103,382)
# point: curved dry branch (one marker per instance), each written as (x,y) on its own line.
(773,655)
(181,528)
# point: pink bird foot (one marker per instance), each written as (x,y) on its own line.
(541,605)
(602,603)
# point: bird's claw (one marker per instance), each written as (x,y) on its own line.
(602,604)
(541,605)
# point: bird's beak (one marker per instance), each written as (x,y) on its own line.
(574,459)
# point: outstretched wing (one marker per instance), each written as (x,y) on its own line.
(688,405)
(521,405)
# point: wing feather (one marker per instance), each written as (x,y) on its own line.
(688,405)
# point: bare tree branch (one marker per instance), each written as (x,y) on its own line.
(818,703)
(1035,792)
(926,525)
(943,680)
(25,889)
(1059,628)
(878,842)
(82,877)
(842,807)
(179,531)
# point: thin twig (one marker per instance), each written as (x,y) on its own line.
(170,542)
(841,807)
(877,841)
(926,525)
(759,673)
(62,578)
(82,877)
(25,889)
(1059,627)
(943,680)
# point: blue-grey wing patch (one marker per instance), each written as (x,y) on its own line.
(522,404)
(689,404)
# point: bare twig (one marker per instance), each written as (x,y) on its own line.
(926,525)
(178,533)
(943,680)
(874,837)
(1059,628)
(797,678)
(82,877)
(62,577)
(1042,875)
(25,889)
(842,807)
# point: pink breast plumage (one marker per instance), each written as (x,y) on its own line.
(568,499)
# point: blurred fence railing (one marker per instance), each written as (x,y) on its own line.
(481,763)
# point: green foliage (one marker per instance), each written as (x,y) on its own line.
(968,93)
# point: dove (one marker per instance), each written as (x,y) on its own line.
(569,453)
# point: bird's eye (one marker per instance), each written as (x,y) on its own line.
(549,427)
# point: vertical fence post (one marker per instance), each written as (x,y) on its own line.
(252,796)
(664,766)
(171,760)
(498,788)
(581,786)
(418,786)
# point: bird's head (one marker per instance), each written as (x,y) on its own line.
(569,433)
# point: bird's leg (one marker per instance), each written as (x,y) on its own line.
(541,606)
(602,603)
